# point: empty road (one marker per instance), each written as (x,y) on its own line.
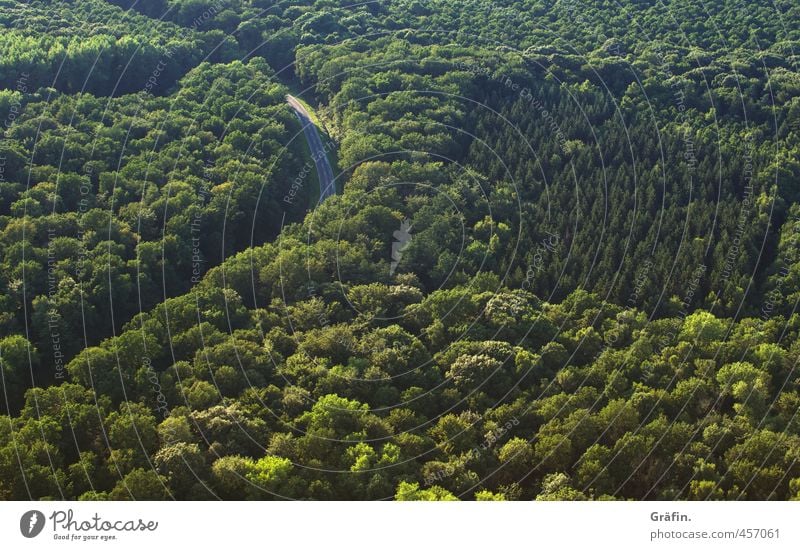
(318,151)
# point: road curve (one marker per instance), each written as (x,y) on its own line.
(318,151)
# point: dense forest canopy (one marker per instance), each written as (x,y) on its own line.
(564,263)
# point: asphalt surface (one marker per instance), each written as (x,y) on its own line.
(318,152)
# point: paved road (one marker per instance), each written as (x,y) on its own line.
(318,151)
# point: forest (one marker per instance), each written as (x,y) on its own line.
(563,264)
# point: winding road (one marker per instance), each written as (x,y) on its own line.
(318,150)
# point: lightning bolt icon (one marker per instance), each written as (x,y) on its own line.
(33,521)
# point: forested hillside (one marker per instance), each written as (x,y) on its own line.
(565,263)
(103,220)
